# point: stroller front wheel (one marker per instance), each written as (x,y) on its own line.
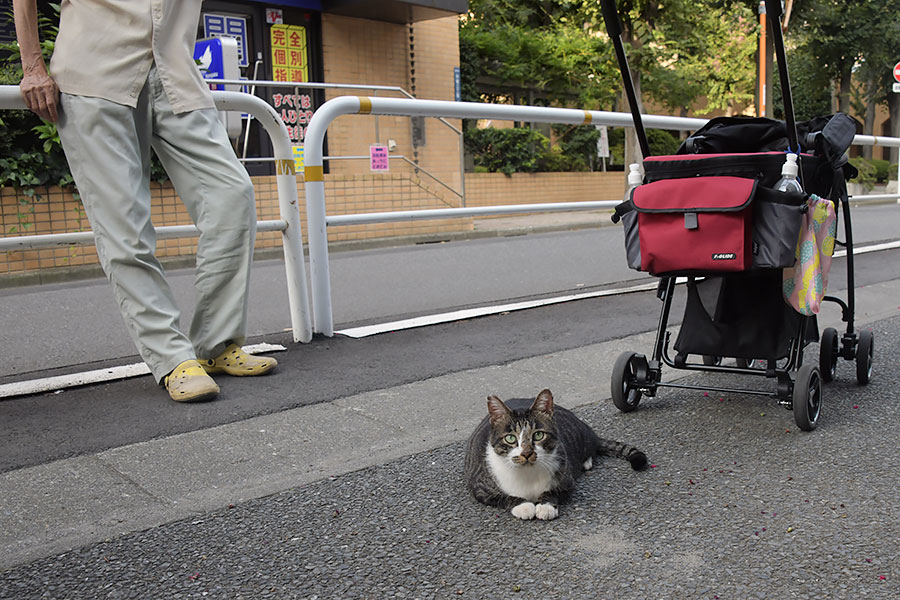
(829,352)
(865,352)
(807,397)
(627,373)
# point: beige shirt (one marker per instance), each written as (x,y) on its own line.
(105,49)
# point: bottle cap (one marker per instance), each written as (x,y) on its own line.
(635,177)
(790,168)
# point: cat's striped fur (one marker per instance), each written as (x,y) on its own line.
(526,455)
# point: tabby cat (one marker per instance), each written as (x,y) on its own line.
(527,458)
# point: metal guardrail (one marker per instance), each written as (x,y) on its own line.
(318,220)
(286,182)
(296,85)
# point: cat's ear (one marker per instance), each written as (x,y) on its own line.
(497,410)
(544,403)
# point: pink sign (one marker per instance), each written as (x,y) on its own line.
(378,159)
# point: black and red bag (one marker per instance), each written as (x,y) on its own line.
(712,214)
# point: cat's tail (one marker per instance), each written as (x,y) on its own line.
(634,456)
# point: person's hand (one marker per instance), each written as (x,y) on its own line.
(40,93)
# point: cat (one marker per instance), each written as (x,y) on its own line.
(527,459)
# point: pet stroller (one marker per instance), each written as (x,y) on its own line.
(710,214)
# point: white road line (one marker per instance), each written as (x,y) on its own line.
(471,313)
(61,382)
(424,321)
(867,249)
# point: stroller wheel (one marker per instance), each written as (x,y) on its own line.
(828,354)
(865,351)
(629,368)
(807,397)
(712,360)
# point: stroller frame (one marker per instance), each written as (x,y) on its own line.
(798,385)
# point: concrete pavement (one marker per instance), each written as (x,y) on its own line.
(88,505)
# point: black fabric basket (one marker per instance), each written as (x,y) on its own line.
(742,316)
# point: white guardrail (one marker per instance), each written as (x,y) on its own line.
(286,181)
(317,218)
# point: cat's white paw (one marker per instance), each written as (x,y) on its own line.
(524,511)
(546,512)
(589,464)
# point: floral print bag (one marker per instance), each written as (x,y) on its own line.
(805,283)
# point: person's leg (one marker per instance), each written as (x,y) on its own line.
(108,149)
(218,194)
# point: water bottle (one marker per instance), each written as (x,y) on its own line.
(789,181)
(630,220)
(635,178)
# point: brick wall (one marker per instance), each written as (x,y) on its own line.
(56,211)
(363,52)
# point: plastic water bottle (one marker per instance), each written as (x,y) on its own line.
(789,181)
(630,220)
(635,178)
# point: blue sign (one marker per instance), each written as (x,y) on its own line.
(222,25)
(208,54)
(457,84)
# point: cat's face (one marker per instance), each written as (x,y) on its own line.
(523,438)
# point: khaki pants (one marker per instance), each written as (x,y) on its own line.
(108,149)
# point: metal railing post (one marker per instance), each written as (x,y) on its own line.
(314,184)
(286,181)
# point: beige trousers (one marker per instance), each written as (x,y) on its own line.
(108,149)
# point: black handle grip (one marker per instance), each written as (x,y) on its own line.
(611,18)
(774,8)
(614,29)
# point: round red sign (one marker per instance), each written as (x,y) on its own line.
(897,72)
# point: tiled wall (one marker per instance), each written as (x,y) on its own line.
(55,211)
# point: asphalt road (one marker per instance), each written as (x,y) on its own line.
(740,503)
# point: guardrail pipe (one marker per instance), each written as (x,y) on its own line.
(317,219)
(289,225)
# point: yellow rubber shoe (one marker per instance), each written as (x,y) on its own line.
(190,383)
(234,361)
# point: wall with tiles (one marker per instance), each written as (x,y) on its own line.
(57,211)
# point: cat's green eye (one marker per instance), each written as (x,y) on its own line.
(511,439)
(538,436)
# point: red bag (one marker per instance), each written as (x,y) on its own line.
(695,224)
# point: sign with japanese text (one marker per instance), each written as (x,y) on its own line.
(274,16)
(296,110)
(298,158)
(228,26)
(378,159)
(289,53)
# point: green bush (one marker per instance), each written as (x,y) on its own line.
(884,170)
(507,150)
(867,172)
(662,142)
(556,160)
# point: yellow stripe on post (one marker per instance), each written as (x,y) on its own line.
(284,166)
(311,173)
(587,118)
(365,105)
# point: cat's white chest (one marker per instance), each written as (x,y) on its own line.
(520,482)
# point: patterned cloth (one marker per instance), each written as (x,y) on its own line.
(805,283)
